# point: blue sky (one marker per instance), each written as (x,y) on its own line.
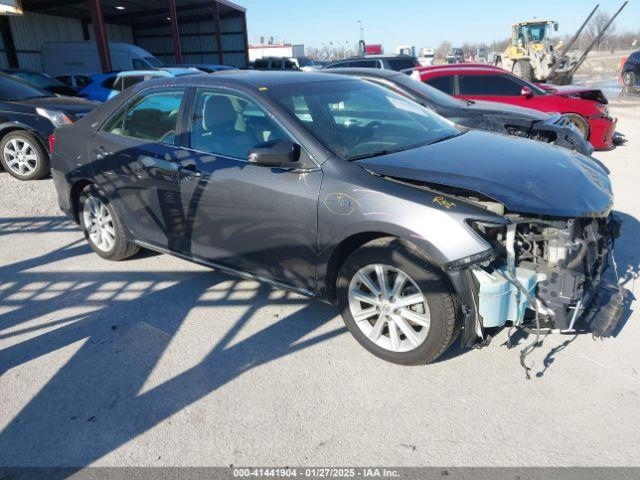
(416,22)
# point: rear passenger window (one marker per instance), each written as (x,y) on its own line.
(276,64)
(130,81)
(492,85)
(153,117)
(261,64)
(109,82)
(365,64)
(444,84)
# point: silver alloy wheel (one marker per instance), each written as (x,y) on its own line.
(99,224)
(389,308)
(20,156)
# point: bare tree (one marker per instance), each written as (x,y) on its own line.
(596,26)
(443,49)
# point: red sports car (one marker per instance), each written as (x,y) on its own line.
(585,107)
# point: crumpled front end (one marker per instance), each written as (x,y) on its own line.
(545,273)
(556,130)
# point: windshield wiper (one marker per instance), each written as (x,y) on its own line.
(374,154)
(445,138)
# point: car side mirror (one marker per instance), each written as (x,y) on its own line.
(526,92)
(279,153)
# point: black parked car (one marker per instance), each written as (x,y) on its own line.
(398,63)
(42,81)
(28,117)
(490,116)
(631,70)
(347,192)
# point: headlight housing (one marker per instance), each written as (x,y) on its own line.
(56,117)
(603,109)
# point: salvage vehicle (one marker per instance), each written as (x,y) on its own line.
(630,70)
(42,81)
(387,62)
(108,85)
(585,107)
(341,190)
(28,116)
(500,118)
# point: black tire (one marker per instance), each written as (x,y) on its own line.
(41,169)
(581,123)
(445,319)
(121,248)
(523,69)
(629,79)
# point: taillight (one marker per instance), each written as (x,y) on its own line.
(52,142)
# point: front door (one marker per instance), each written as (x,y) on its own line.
(251,218)
(136,154)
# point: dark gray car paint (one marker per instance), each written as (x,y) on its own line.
(285,225)
(540,180)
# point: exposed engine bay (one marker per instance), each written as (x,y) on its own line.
(556,268)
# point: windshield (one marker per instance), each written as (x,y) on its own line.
(37,79)
(399,64)
(14,89)
(431,94)
(356,119)
(154,62)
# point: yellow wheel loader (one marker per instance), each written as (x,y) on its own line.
(534,57)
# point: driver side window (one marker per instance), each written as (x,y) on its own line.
(230,125)
(152,117)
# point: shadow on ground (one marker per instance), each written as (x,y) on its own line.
(93,404)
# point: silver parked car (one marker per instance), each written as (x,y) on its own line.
(345,191)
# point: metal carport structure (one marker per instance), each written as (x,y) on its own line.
(176,31)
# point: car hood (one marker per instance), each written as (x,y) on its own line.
(73,105)
(479,107)
(526,176)
(573,91)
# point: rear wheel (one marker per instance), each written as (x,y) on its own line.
(629,79)
(102,227)
(23,157)
(580,123)
(395,304)
(523,69)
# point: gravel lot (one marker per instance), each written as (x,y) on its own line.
(159,362)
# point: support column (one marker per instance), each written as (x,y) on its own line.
(9,45)
(175,31)
(100,33)
(246,38)
(216,19)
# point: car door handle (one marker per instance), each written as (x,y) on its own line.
(189,171)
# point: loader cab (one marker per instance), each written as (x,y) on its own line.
(532,33)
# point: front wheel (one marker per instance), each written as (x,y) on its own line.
(395,304)
(580,123)
(23,156)
(102,227)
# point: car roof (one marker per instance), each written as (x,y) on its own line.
(370,72)
(254,78)
(161,72)
(460,67)
(380,56)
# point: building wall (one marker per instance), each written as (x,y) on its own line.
(198,41)
(31,30)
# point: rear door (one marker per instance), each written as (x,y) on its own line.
(136,165)
(491,87)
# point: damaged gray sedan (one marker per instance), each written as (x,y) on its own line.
(418,229)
